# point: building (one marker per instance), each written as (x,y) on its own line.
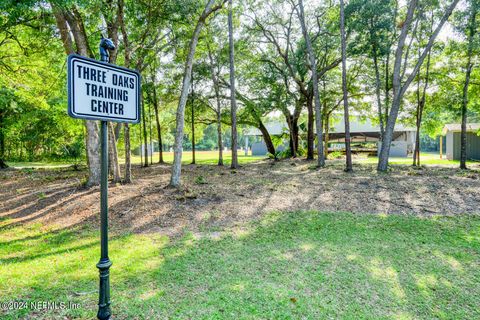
(452,133)
(361,130)
(364,130)
(140,150)
(253,137)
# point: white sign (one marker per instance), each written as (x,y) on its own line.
(102,91)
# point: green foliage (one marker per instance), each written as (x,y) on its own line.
(35,126)
(371,24)
(335,155)
(276,156)
(287,153)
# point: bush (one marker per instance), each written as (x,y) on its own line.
(275,156)
(335,155)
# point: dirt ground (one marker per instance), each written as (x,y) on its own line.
(217,197)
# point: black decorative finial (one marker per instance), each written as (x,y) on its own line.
(105,45)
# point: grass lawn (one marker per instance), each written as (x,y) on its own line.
(425,159)
(211,158)
(201,157)
(287,266)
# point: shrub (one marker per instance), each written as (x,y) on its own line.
(335,155)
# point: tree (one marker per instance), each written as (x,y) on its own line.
(33,122)
(110,15)
(348,167)
(372,23)
(422,93)
(286,56)
(233,101)
(70,23)
(146,29)
(215,74)
(7,107)
(400,64)
(472,43)
(262,94)
(192,105)
(127,59)
(157,119)
(313,68)
(144,127)
(187,74)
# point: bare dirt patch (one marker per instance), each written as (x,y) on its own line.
(217,197)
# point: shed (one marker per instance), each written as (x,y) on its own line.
(452,131)
(258,146)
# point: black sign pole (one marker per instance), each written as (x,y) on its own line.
(104,264)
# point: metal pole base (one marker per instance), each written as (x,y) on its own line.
(104,311)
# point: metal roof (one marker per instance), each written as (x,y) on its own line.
(274,128)
(360,125)
(457,127)
(357,125)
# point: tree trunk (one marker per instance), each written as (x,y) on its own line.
(387,93)
(3,164)
(421,104)
(267,139)
(313,67)
(472,29)
(150,132)
(310,133)
(378,94)
(128,159)
(417,121)
(140,148)
(117,130)
(126,129)
(348,164)
(421,107)
(157,120)
(417,125)
(327,133)
(219,108)
(416,153)
(295,135)
(292,122)
(219,137)
(291,145)
(233,101)
(463,134)
(112,21)
(193,127)
(113,151)
(145,136)
(399,89)
(69,22)
(180,121)
(93,158)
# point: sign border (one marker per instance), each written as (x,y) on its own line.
(71,94)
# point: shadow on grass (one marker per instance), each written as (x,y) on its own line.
(287,265)
(310,265)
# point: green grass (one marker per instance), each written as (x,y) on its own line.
(40,164)
(425,159)
(201,157)
(287,266)
(211,158)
